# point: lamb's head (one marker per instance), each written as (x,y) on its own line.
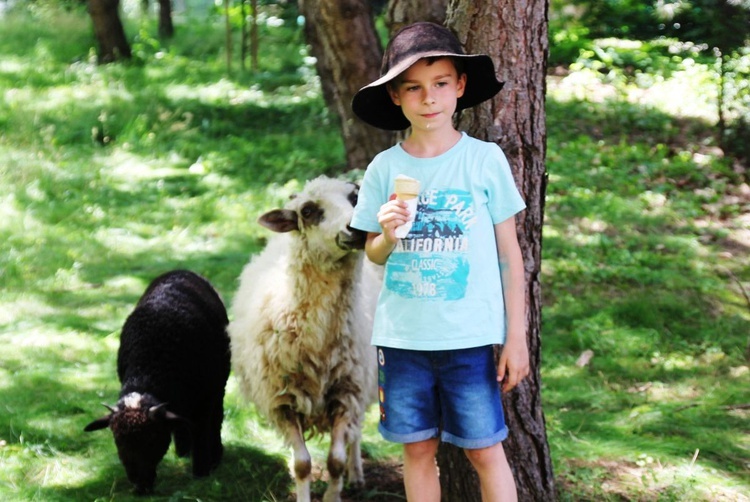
(321,214)
(142,427)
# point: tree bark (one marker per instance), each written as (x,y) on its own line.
(110,35)
(342,37)
(514,34)
(403,12)
(166,27)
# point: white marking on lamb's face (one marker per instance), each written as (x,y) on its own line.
(132,400)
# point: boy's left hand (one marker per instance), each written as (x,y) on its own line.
(514,363)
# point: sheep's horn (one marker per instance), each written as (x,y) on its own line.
(110,408)
(157,409)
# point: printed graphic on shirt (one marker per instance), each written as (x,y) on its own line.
(432,261)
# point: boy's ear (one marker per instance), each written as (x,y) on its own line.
(461,85)
(393,94)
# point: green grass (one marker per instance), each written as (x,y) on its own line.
(111,175)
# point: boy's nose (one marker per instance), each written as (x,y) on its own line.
(427,98)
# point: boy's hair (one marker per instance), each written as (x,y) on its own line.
(458,64)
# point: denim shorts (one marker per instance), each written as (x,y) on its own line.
(452,394)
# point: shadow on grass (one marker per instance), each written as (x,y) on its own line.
(246,473)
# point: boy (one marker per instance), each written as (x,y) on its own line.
(454,286)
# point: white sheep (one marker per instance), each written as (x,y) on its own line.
(301,331)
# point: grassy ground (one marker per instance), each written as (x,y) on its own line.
(112,175)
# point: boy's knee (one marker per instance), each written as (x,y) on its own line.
(493,455)
(421,449)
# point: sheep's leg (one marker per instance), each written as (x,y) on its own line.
(182,440)
(337,459)
(201,447)
(355,473)
(302,459)
(217,417)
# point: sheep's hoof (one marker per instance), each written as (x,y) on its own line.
(143,490)
(356,484)
(332,495)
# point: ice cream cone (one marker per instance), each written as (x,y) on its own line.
(407,190)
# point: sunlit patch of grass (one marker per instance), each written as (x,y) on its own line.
(648,478)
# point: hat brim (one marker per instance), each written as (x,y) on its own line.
(373,104)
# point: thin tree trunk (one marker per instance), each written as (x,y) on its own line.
(515,35)
(228,38)
(342,37)
(166,27)
(244,34)
(721,124)
(254,36)
(249,41)
(108,30)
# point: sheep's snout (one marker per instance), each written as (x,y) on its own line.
(351,238)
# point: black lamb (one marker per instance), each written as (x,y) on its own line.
(173,364)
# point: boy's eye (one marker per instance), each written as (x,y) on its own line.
(412,88)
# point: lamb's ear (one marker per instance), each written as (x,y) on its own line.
(280,220)
(99,423)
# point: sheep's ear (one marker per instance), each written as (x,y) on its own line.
(280,220)
(99,423)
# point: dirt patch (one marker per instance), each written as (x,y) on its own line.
(383,483)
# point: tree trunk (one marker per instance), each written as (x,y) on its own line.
(515,35)
(403,12)
(342,37)
(166,27)
(249,39)
(110,35)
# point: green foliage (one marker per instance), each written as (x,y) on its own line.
(111,175)
(720,24)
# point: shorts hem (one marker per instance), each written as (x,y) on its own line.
(475,444)
(412,437)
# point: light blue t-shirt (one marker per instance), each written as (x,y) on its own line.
(442,287)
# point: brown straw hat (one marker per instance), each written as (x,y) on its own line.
(373,104)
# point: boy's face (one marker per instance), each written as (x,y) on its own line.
(427,93)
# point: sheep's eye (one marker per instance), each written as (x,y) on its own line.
(354,197)
(311,213)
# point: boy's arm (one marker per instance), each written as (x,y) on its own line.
(392,214)
(514,359)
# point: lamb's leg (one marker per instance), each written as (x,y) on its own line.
(217,417)
(201,447)
(182,440)
(302,459)
(337,459)
(355,473)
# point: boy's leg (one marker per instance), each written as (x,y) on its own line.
(420,471)
(495,476)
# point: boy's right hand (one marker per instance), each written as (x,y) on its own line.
(392,215)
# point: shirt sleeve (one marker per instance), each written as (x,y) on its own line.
(370,199)
(504,199)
